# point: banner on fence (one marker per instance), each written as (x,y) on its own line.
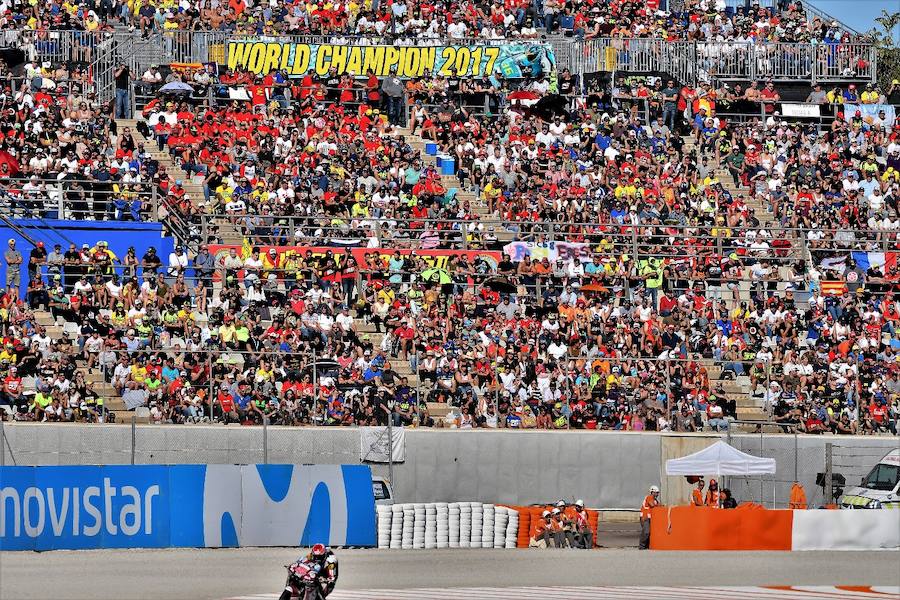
(800,110)
(510,60)
(204,506)
(516,251)
(375,444)
(864,260)
(871,114)
(286,255)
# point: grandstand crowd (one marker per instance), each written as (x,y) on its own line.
(701,20)
(608,260)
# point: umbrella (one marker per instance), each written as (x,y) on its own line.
(436,275)
(175,87)
(501,286)
(594,287)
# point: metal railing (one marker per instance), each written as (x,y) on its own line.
(413,233)
(44,197)
(707,61)
(688,61)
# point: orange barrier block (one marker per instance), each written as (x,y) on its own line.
(747,527)
(594,522)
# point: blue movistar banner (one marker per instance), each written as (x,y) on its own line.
(78,507)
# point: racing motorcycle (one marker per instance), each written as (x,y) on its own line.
(302,582)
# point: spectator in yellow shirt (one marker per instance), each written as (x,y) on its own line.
(870,95)
(491,192)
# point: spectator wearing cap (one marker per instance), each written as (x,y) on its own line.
(13,260)
(36,259)
(178,262)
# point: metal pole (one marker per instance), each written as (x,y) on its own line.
(133,436)
(761,444)
(391,441)
(829,490)
(212,401)
(315,380)
(796,458)
(2,445)
(418,389)
(265,439)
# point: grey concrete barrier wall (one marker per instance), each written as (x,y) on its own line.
(606,469)
(52,444)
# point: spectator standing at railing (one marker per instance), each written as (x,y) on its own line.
(123,78)
(36,259)
(13,260)
(393,90)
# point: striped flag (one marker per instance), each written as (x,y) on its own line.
(833,288)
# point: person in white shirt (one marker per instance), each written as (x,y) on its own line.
(457,30)
(178,262)
(152,75)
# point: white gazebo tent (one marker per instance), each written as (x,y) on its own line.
(722,459)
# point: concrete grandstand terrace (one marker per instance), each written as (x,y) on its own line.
(748,407)
(227,230)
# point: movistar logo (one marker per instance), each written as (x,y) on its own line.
(77,511)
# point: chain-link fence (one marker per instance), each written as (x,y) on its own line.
(824,466)
(772,491)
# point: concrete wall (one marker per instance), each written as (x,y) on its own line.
(47,444)
(606,469)
(527,467)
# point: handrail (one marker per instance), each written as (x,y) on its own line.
(19,230)
(811,9)
(818,61)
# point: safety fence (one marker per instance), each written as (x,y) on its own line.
(91,507)
(74,198)
(707,61)
(687,61)
(353,96)
(738,111)
(550,239)
(825,468)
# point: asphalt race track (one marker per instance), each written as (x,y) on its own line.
(258,573)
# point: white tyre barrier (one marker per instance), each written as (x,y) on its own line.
(446,525)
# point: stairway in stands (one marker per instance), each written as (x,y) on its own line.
(104,390)
(227,230)
(463,195)
(749,406)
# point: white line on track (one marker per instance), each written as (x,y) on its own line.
(610,593)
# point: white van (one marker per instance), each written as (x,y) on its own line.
(880,488)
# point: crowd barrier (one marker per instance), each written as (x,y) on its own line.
(414,526)
(203,506)
(751,527)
